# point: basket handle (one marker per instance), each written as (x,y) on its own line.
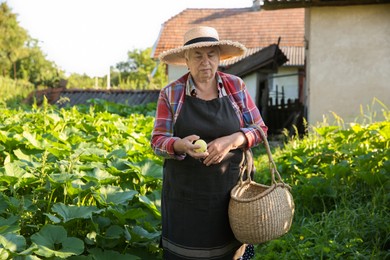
(248,165)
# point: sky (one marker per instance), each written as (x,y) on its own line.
(89,36)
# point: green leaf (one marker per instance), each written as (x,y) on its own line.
(99,175)
(118,153)
(3,203)
(31,138)
(114,231)
(55,117)
(114,195)
(4,253)
(150,205)
(53,241)
(61,178)
(128,214)
(14,171)
(22,156)
(385,131)
(27,254)
(69,212)
(141,234)
(151,169)
(9,225)
(53,218)
(13,242)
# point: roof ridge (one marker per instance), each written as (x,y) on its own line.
(206,9)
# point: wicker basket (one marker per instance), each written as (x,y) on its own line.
(259,213)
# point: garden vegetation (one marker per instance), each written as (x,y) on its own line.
(83,183)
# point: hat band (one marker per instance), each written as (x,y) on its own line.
(201,39)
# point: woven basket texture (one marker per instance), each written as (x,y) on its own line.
(259,213)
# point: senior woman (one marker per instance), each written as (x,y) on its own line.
(216,107)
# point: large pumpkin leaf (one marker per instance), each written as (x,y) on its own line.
(99,175)
(13,242)
(139,234)
(53,241)
(14,173)
(114,195)
(69,212)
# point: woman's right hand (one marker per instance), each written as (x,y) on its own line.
(186,146)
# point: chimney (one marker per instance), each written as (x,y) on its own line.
(256,6)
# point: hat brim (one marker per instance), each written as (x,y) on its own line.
(228,49)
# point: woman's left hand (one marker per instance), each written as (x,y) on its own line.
(219,147)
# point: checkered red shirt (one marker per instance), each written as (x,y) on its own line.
(171,101)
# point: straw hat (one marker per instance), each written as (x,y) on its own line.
(202,36)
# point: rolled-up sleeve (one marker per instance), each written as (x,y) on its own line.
(252,118)
(162,135)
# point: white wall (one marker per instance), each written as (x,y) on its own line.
(286,77)
(348,59)
(251,84)
(175,72)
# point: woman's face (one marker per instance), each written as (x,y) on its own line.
(203,63)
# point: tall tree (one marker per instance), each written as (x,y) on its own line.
(36,68)
(139,71)
(12,40)
(20,55)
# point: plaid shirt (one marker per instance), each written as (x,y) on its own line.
(171,101)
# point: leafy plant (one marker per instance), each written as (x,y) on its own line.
(83,183)
(341,186)
(74,181)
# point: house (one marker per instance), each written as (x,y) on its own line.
(347,55)
(272,67)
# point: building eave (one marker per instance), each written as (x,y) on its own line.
(288,4)
(269,59)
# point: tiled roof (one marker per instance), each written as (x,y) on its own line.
(69,97)
(254,29)
(295,55)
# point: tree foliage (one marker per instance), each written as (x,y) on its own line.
(20,55)
(139,71)
(83,81)
(12,39)
(36,68)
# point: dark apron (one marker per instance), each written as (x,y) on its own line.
(195,197)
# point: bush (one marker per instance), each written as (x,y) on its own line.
(13,92)
(78,184)
(341,186)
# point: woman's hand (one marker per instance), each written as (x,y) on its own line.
(219,147)
(186,145)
